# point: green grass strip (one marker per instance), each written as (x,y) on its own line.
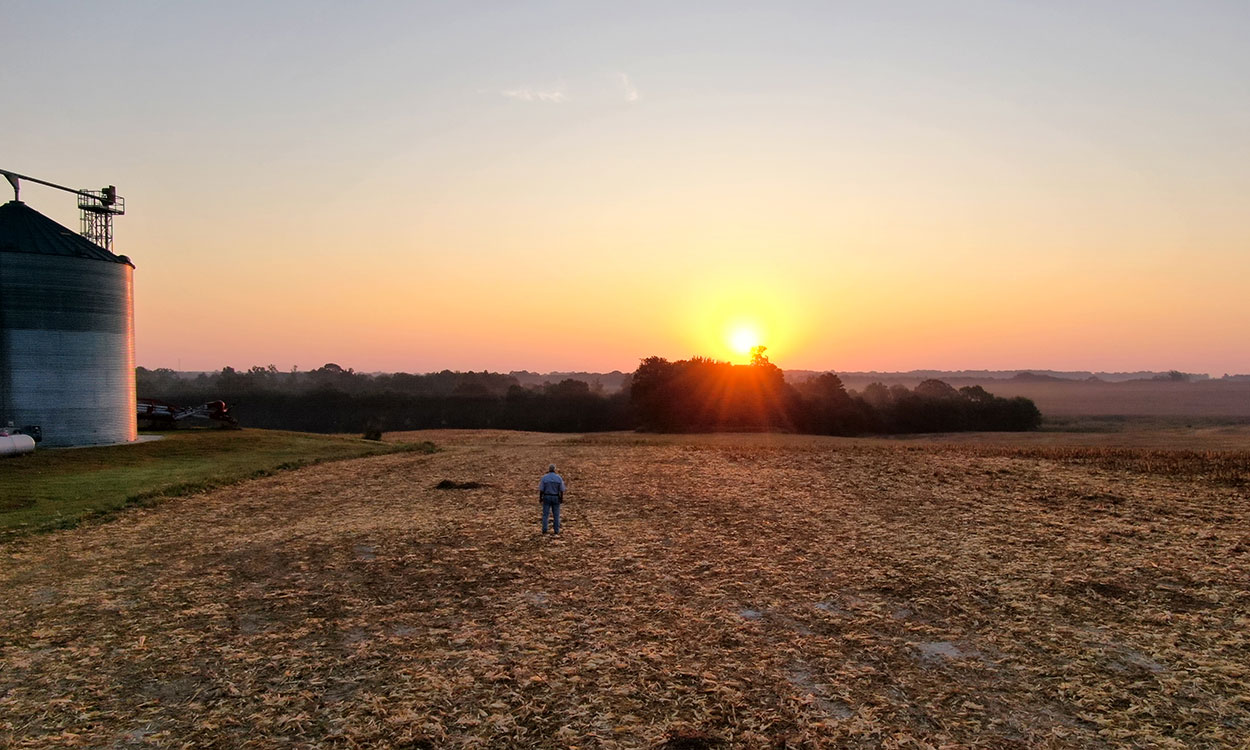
(61,488)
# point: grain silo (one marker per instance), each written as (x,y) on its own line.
(67,341)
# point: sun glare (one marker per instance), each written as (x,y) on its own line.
(728,316)
(743,340)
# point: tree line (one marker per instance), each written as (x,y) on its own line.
(694,395)
(704,395)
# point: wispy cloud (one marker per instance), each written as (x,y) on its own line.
(627,87)
(593,89)
(527,94)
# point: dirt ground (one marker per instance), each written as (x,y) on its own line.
(726,591)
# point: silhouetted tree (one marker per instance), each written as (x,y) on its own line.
(976,394)
(936,389)
(877,395)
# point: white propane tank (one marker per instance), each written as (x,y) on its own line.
(15,445)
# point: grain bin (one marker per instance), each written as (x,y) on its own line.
(67,341)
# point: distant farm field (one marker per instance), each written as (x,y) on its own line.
(708,591)
(1223,399)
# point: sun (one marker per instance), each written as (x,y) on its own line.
(743,339)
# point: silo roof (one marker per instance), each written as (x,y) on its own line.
(25,230)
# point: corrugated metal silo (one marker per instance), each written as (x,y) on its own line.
(67,337)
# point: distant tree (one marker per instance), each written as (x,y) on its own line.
(702,394)
(976,393)
(650,392)
(828,408)
(877,395)
(826,386)
(936,389)
(331,376)
(470,388)
(568,388)
(1017,413)
(158,383)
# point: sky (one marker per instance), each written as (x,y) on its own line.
(576,185)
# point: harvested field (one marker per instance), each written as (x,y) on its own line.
(723,591)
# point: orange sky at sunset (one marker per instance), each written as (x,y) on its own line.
(568,186)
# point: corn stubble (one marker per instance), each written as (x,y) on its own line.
(736,591)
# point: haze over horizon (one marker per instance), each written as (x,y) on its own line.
(573,186)
(959,372)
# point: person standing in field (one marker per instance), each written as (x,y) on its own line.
(551,494)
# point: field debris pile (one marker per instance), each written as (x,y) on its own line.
(725,591)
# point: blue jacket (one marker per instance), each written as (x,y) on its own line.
(551,488)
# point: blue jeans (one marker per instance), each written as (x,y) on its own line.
(552,507)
